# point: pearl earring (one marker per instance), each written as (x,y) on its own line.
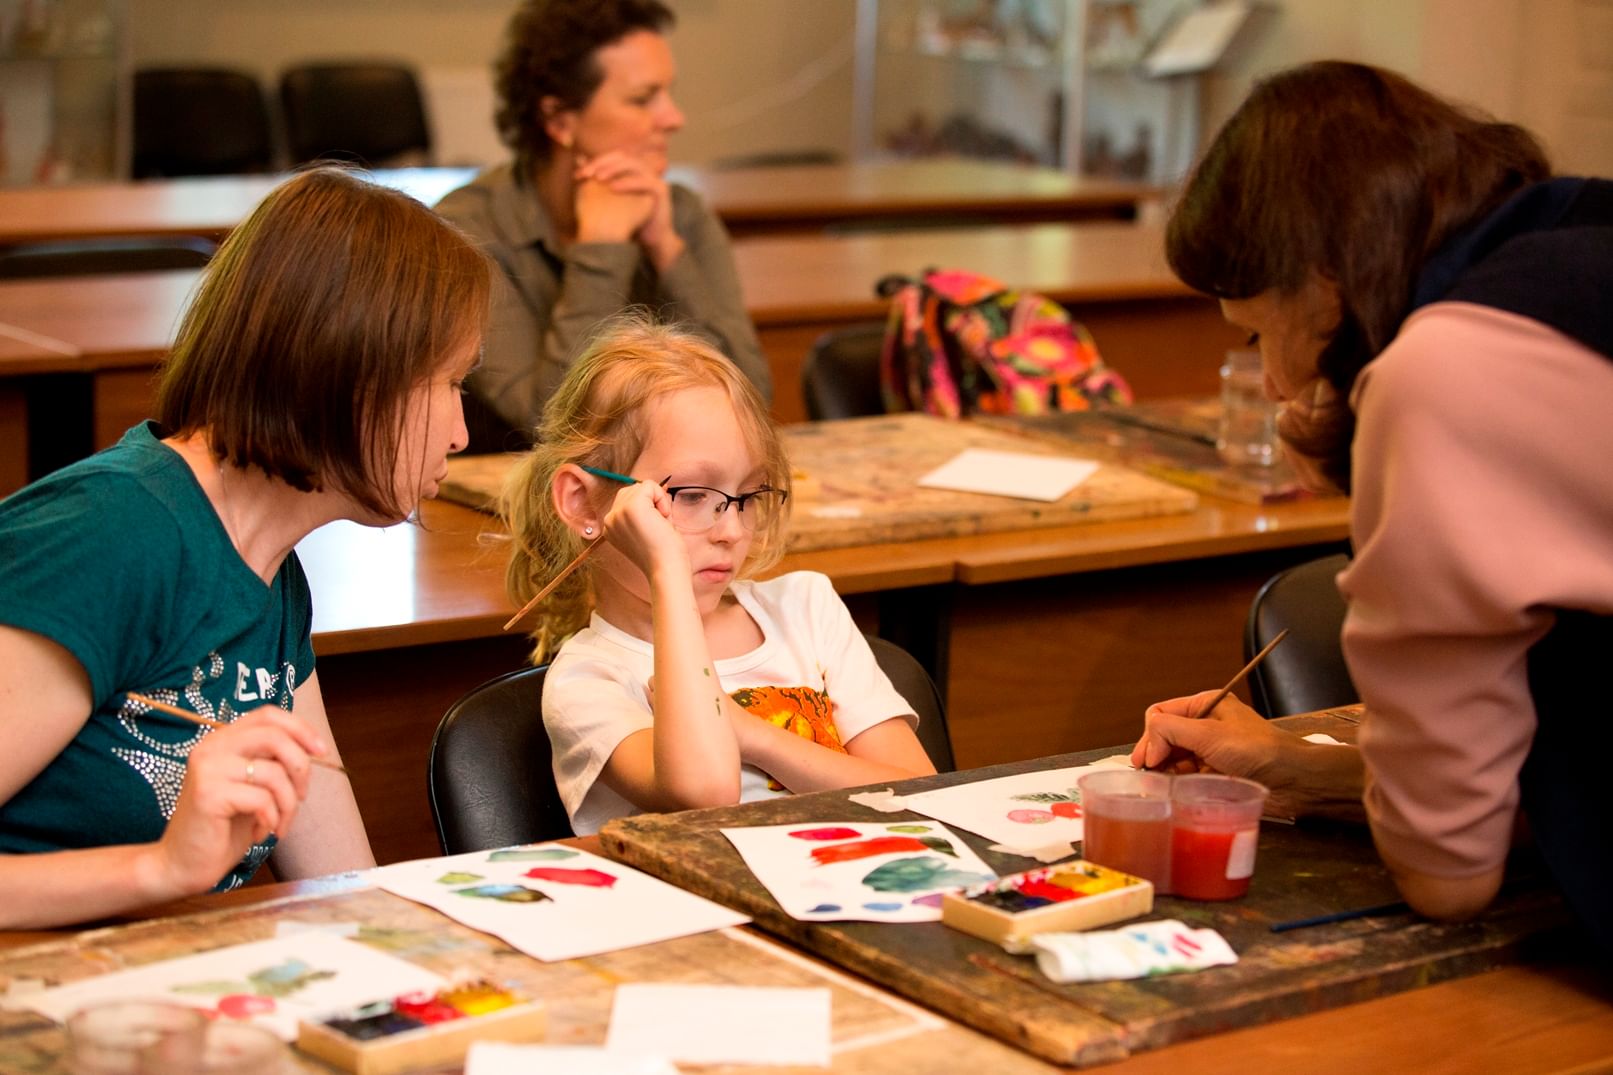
(587,531)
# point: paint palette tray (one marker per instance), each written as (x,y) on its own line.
(1072,895)
(421,1030)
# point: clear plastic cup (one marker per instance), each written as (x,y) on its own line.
(229,1048)
(1215,828)
(1247,433)
(1126,820)
(111,1038)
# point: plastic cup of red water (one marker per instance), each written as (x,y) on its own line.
(1126,819)
(1215,828)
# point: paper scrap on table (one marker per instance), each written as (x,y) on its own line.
(859,871)
(1323,738)
(273,983)
(722,1024)
(886,801)
(1136,951)
(1026,811)
(1053,852)
(502,1058)
(1017,474)
(555,902)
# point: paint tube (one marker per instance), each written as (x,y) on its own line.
(1136,951)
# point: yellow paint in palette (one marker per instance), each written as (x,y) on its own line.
(1069,896)
(420,1030)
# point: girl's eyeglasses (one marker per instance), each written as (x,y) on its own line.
(696,508)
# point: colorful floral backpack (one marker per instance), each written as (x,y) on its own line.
(957,343)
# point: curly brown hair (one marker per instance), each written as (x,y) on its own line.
(550,50)
(1353,173)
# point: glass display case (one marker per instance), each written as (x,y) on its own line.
(1052,82)
(63,95)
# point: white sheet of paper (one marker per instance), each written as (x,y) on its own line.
(832,871)
(502,1058)
(1027,810)
(1323,738)
(567,903)
(722,1024)
(278,981)
(1016,474)
(1198,39)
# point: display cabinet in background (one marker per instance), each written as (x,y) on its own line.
(1062,83)
(63,91)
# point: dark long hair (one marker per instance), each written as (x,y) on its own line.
(1354,173)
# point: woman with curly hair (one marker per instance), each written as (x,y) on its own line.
(583,221)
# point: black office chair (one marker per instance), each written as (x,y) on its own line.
(369,114)
(1307,672)
(490,777)
(83,257)
(199,121)
(841,375)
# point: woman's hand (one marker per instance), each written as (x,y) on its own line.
(639,526)
(242,783)
(628,191)
(1304,778)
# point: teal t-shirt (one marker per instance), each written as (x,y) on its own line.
(121,559)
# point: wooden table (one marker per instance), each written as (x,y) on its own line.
(111,331)
(750,201)
(1546,1016)
(1128,612)
(1301,871)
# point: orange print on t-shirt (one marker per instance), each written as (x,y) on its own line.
(806,712)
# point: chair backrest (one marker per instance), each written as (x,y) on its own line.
(1307,672)
(199,121)
(490,776)
(83,257)
(365,113)
(913,683)
(841,375)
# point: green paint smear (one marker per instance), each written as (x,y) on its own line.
(536,854)
(907,828)
(916,875)
(458,877)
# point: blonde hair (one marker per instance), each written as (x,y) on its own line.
(595,418)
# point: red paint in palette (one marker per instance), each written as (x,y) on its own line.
(562,876)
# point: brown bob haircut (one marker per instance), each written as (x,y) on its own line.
(549,51)
(1351,172)
(313,323)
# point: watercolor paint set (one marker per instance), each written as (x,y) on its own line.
(421,1030)
(1069,896)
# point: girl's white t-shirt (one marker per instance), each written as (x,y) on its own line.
(597,691)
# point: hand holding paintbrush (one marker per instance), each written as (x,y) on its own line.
(1157,750)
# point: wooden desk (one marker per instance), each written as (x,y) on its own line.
(1300,871)
(1129,612)
(1538,1017)
(749,201)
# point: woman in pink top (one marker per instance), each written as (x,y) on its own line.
(1433,309)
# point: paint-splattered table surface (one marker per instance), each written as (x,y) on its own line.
(872,1031)
(858,484)
(1302,870)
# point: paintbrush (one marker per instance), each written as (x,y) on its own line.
(537,598)
(209,722)
(1232,683)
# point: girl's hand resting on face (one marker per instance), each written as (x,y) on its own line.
(638,525)
(242,783)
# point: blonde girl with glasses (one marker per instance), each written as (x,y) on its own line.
(678,681)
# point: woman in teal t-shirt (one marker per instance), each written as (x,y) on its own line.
(316,376)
